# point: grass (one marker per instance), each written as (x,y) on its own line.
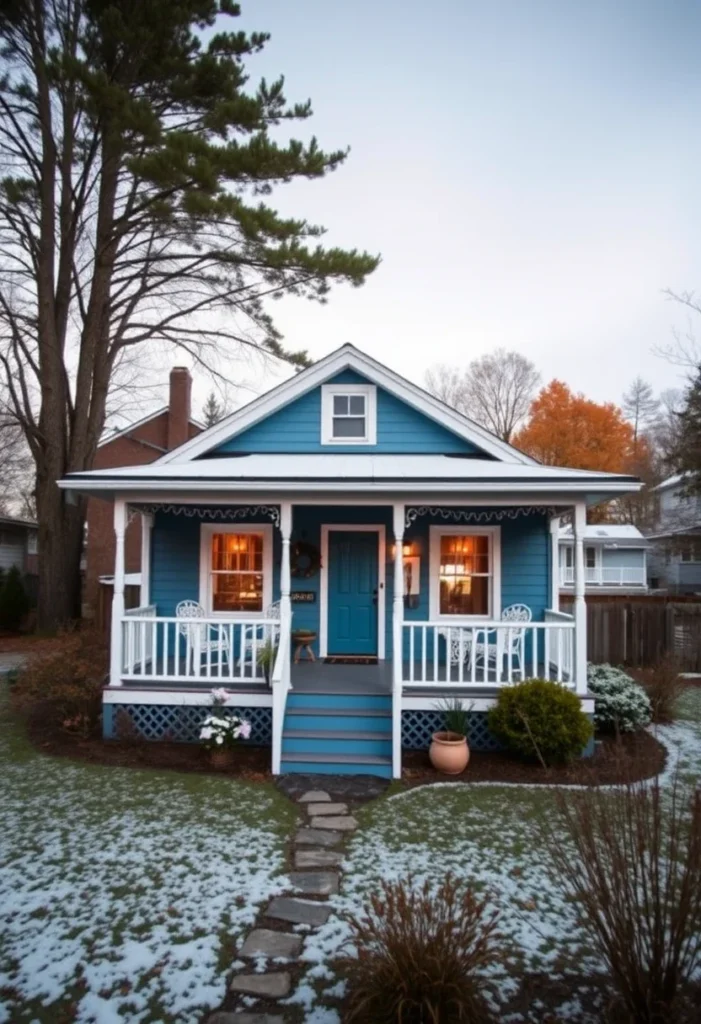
(488,836)
(122,892)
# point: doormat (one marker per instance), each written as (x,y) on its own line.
(351,659)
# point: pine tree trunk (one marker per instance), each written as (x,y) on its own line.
(60,549)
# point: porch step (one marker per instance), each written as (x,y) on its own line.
(335,741)
(357,720)
(339,701)
(337,764)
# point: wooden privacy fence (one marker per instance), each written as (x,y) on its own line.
(640,633)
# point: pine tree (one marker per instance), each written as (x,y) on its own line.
(137,161)
(685,456)
(212,411)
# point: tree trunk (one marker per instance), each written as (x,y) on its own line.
(60,547)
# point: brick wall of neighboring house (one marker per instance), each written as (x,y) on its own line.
(142,444)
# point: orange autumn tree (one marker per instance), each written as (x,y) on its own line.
(567,429)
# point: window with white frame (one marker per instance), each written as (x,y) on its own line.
(32,542)
(236,569)
(465,572)
(348,414)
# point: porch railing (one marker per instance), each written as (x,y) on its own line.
(167,649)
(281,684)
(607,576)
(488,654)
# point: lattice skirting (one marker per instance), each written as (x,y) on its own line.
(419,726)
(176,722)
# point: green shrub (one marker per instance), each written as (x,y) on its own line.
(540,719)
(418,955)
(64,684)
(14,603)
(621,705)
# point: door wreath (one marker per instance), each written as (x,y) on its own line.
(305,560)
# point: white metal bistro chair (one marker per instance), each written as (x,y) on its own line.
(254,637)
(198,637)
(463,646)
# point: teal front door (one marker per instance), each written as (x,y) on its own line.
(353,592)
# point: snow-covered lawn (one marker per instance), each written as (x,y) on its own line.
(123,891)
(489,836)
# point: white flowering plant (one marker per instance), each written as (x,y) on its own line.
(620,704)
(221,732)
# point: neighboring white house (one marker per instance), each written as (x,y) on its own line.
(675,555)
(615,559)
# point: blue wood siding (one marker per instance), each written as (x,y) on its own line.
(524,561)
(297,428)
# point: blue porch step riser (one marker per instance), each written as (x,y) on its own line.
(331,768)
(349,701)
(355,723)
(310,745)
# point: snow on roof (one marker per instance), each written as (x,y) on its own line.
(611,532)
(671,481)
(338,471)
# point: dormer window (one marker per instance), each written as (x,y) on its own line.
(348,414)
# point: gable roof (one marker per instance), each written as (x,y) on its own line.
(344,358)
(131,427)
(624,534)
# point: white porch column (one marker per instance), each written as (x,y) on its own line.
(555,564)
(146,528)
(120,525)
(285,575)
(580,606)
(397,637)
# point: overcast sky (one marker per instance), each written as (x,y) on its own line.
(528,171)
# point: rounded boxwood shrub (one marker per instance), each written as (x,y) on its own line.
(540,719)
(621,705)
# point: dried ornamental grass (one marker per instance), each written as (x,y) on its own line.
(636,873)
(664,686)
(418,955)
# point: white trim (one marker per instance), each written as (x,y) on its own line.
(326,529)
(328,393)
(428,702)
(123,695)
(344,358)
(205,596)
(435,534)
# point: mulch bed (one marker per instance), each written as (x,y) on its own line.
(630,758)
(252,763)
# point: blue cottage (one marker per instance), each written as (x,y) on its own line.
(340,555)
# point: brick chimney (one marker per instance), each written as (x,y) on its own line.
(179,406)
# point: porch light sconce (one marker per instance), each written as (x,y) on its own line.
(407,549)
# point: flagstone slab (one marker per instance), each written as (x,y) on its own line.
(287,908)
(318,858)
(269,986)
(318,837)
(347,823)
(265,942)
(315,883)
(329,808)
(314,796)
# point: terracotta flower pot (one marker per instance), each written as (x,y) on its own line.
(223,758)
(449,752)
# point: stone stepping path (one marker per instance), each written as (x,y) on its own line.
(316,874)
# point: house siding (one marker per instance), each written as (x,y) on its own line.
(623,558)
(296,428)
(524,561)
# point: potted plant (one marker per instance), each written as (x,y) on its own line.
(449,752)
(220,732)
(266,658)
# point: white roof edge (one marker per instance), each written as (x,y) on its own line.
(346,357)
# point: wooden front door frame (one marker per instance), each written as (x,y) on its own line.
(326,529)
